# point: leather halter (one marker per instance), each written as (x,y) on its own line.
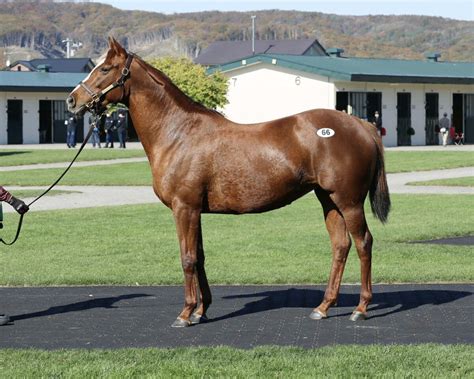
(93,105)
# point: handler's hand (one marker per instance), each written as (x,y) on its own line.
(18,205)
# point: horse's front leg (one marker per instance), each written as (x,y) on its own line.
(187,222)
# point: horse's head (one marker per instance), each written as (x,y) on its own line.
(104,84)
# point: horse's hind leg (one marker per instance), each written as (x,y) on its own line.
(205,297)
(341,244)
(357,226)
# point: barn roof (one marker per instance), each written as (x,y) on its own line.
(221,52)
(364,69)
(76,65)
(39,81)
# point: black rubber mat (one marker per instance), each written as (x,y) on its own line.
(466,240)
(241,316)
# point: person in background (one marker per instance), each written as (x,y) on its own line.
(444,125)
(378,122)
(109,127)
(95,137)
(21,208)
(122,128)
(71,124)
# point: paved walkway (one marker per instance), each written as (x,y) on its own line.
(241,316)
(397,183)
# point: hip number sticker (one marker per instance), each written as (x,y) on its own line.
(325,132)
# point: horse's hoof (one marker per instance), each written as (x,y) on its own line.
(180,323)
(356,316)
(197,319)
(317,315)
(4,319)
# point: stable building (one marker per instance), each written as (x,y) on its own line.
(410,95)
(33,107)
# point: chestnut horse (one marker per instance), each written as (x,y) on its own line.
(203,163)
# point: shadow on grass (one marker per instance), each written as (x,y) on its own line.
(463,241)
(8,153)
(383,304)
(105,302)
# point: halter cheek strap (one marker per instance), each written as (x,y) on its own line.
(96,96)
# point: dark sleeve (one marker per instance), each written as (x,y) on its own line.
(4,194)
(378,124)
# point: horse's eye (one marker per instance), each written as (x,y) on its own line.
(104,70)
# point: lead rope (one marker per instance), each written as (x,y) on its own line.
(20,222)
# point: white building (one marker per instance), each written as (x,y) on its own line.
(33,107)
(408,94)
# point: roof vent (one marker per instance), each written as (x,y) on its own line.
(43,68)
(335,52)
(433,57)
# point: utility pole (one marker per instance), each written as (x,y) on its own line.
(71,47)
(253,34)
(68,41)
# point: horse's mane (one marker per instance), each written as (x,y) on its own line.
(162,79)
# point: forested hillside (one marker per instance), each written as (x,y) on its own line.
(38,29)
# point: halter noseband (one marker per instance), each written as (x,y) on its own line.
(93,105)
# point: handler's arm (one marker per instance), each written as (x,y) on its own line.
(17,204)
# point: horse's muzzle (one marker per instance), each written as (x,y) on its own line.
(71,102)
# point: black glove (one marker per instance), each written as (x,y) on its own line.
(18,205)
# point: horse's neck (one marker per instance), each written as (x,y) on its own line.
(159,113)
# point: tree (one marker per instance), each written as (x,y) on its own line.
(192,79)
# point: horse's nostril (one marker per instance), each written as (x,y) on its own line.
(70,101)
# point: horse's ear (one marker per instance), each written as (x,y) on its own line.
(111,41)
(116,47)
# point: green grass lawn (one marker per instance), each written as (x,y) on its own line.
(406,161)
(17,157)
(138,244)
(125,174)
(412,361)
(455,182)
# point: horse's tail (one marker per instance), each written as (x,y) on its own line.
(378,193)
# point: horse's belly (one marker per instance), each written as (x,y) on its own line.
(254,196)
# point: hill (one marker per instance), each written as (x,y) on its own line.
(38,29)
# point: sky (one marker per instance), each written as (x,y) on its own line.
(456,9)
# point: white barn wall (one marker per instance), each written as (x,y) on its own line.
(418,116)
(30,113)
(389,115)
(267,92)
